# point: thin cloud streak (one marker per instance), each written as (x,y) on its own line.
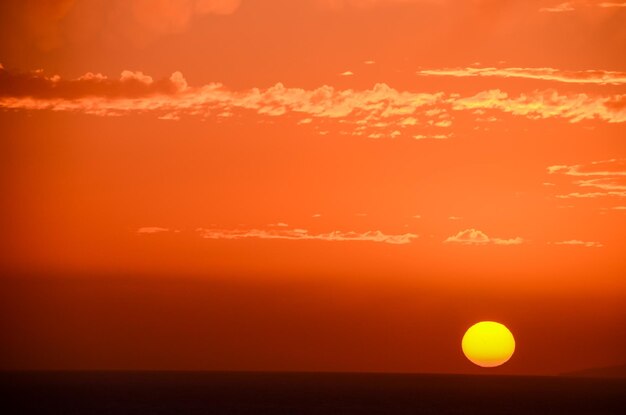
(152,230)
(611,4)
(559,8)
(574,6)
(305,235)
(599,77)
(602,168)
(604,177)
(576,242)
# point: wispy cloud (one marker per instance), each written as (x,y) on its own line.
(600,77)
(152,230)
(476,237)
(602,168)
(590,195)
(608,4)
(305,235)
(280,231)
(571,6)
(596,179)
(559,8)
(579,243)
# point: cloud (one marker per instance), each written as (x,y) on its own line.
(476,237)
(512,241)
(305,235)
(443,123)
(152,230)
(549,104)
(409,121)
(609,184)
(599,77)
(590,195)
(36,87)
(279,224)
(380,107)
(280,231)
(563,7)
(579,243)
(611,5)
(570,6)
(602,168)
(604,178)
(137,92)
(432,137)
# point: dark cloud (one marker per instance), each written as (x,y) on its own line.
(130,84)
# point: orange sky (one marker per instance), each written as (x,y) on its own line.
(312,185)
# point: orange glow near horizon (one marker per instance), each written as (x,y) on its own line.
(317,185)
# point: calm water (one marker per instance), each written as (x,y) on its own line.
(284,393)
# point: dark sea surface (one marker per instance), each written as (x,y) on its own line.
(304,393)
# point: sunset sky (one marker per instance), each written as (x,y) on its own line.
(315,185)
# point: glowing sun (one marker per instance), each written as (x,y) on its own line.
(488,344)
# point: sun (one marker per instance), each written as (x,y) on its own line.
(488,344)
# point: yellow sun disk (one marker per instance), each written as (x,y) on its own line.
(488,344)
